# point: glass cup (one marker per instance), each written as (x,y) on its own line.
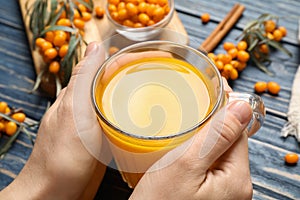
(152,96)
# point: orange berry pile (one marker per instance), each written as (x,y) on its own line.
(138,13)
(272,87)
(273,31)
(54,44)
(233,61)
(10,127)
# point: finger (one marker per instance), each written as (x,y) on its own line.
(227,88)
(221,132)
(237,156)
(78,94)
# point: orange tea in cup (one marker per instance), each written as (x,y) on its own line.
(151,97)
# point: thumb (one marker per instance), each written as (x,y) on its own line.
(221,132)
(78,94)
(88,66)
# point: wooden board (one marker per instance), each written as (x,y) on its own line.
(99,29)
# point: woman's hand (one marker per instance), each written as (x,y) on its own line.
(63,164)
(213,164)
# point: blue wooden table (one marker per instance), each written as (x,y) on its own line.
(272,178)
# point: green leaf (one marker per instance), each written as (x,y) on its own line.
(253,44)
(260,65)
(55,16)
(89,5)
(38,80)
(279,46)
(58,27)
(9,143)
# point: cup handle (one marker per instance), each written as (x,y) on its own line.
(257,106)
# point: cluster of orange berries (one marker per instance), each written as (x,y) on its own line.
(54,45)
(9,127)
(138,13)
(274,32)
(233,61)
(272,87)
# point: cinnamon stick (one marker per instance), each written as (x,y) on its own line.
(223,28)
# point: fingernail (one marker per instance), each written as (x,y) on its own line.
(241,110)
(92,47)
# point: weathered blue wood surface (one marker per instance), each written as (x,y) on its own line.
(272,179)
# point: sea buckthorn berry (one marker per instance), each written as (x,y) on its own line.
(20,117)
(82,8)
(270,36)
(291,158)
(260,87)
(228,68)
(86,16)
(228,45)
(205,17)
(7,110)
(49,36)
(111,8)
(76,14)
(142,7)
(64,22)
(277,34)
(54,67)
(122,14)
(212,56)
(78,23)
(219,64)
(241,66)
(283,30)
(63,50)
(121,5)
(11,128)
(233,52)
(131,9)
(39,41)
(242,45)
(150,10)
(3,106)
(46,45)
(225,74)
(233,75)
(114,16)
(114,2)
(162,2)
(138,25)
(158,14)
(235,64)
(243,56)
(150,22)
(51,53)
(144,18)
(226,58)
(128,22)
(273,87)
(60,38)
(270,26)
(264,48)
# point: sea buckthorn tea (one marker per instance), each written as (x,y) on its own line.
(151,97)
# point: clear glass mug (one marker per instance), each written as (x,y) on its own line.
(152,96)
